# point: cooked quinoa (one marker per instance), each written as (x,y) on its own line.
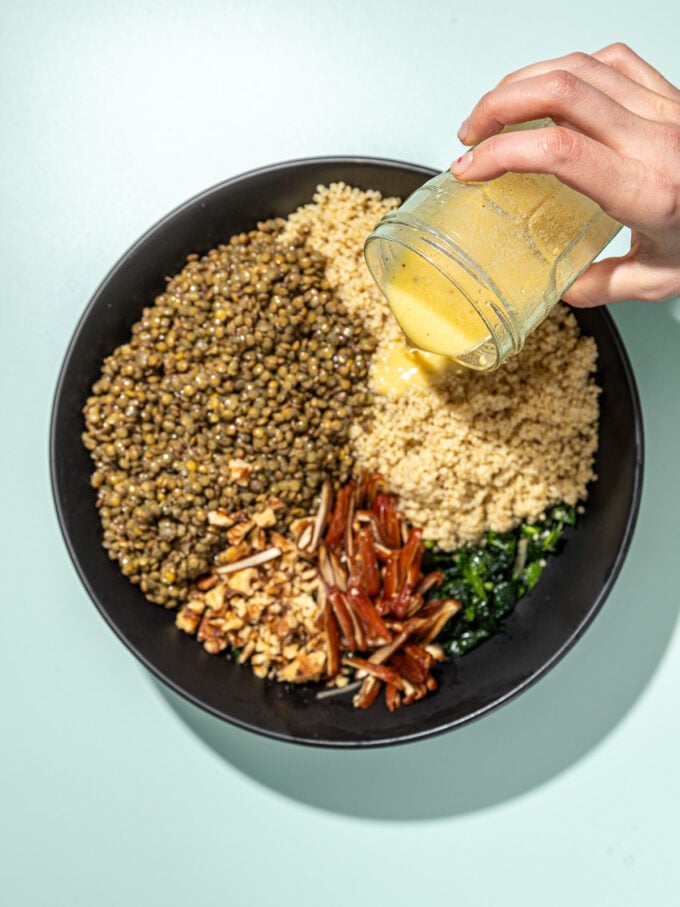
(474,451)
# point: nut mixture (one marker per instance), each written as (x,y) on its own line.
(266,612)
(347,595)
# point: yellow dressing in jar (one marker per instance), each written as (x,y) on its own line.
(434,316)
(469,269)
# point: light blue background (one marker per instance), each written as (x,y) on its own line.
(112,790)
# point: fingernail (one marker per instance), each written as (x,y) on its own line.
(462,132)
(462,163)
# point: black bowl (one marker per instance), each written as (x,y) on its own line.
(545,624)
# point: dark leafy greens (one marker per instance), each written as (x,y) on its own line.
(489,579)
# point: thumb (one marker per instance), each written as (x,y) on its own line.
(609,280)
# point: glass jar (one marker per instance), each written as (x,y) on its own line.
(469,269)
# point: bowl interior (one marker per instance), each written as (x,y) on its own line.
(544,625)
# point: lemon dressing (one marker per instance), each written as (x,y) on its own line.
(397,368)
(469,269)
(434,315)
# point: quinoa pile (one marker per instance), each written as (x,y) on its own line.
(486,451)
(474,451)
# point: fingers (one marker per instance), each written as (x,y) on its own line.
(590,69)
(615,138)
(617,279)
(601,284)
(652,97)
(612,180)
(558,94)
(621,58)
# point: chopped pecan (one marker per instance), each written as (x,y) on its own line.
(205,583)
(240,471)
(220,518)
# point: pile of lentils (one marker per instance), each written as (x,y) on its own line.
(247,355)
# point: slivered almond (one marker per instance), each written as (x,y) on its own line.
(253,561)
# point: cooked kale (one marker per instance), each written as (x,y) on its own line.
(489,579)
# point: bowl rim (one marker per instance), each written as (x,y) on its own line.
(163,676)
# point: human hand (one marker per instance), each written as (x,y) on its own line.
(616,139)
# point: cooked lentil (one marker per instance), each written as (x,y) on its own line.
(239,383)
(336,224)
